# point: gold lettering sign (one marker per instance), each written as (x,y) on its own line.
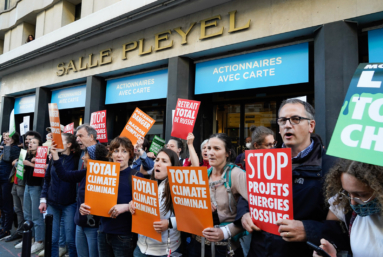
(209,28)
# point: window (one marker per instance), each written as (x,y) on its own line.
(77,14)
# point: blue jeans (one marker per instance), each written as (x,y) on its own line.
(6,205)
(86,241)
(138,253)
(67,213)
(110,245)
(32,212)
(62,240)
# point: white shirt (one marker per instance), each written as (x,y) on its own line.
(150,246)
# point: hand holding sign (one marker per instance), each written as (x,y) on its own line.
(184,118)
(269,178)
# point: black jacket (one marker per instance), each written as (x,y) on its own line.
(309,207)
(10,154)
(55,190)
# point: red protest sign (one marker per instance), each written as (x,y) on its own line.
(138,125)
(98,122)
(40,161)
(69,128)
(269,185)
(54,119)
(184,117)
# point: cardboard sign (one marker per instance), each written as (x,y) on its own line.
(69,128)
(26,120)
(98,122)
(101,190)
(20,164)
(358,134)
(157,145)
(22,129)
(191,198)
(40,161)
(138,125)
(12,125)
(145,197)
(269,185)
(184,118)
(54,119)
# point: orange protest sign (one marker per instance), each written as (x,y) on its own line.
(101,189)
(189,187)
(138,125)
(54,119)
(145,197)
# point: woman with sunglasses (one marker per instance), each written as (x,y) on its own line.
(354,191)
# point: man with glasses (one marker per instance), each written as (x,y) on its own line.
(310,165)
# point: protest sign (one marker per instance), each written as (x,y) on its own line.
(189,187)
(69,128)
(20,164)
(12,125)
(98,122)
(138,125)
(22,129)
(184,118)
(156,145)
(145,197)
(26,120)
(358,134)
(54,119)
(269,185)
(40,161)
(101,190)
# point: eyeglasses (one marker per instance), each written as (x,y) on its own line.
(294,120)
(356,199)
(270,145)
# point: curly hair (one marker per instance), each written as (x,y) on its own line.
(124,142)
(371,175)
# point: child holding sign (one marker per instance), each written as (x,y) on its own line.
(167,227)
(86,226)
(227,183)
(115,237)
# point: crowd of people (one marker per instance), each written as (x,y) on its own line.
(337,203)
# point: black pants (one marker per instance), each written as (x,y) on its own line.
(220,250)
(6,205)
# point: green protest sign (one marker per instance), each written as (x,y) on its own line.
(358,133)
(156,145)
(20,164)
(12,125)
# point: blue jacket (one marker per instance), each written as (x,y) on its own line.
(76,176)
(309,207)
(147,163)
(55,190)
(10,154)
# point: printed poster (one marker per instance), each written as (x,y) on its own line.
(184,118)
(54,119)
(157,144)
(98,122)
(138,126)
(69,128)
(20,164)
(40,161)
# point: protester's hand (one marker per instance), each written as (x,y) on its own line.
(84,209)
(43,207)
(248,224)
(118,209)
(28,163)
(292,230)
(54,152)
(213,234)
(132,207)
(33,160)
(213,208)
(190,139)
(161,226)
(46,166)
(50,156)
(1,146)
(329,248)
(14,162)
(139,144)
(151,155)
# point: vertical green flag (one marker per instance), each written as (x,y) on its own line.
(12,125)
(156,145)
(20,164)
(358,134)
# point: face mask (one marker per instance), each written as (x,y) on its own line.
(372,207)
(248,145)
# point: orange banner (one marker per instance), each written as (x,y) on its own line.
(138,125)
(101,190)
(54,119)
(145,197)
(189,187)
